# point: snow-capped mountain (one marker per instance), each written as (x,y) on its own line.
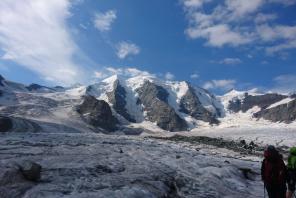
(142,101)
(256,106)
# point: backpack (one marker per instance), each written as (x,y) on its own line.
(292,159)
(273,169)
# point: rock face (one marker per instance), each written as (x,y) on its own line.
(5,124)
(12,183)
(1,80)
(97,113)
(35,87)
(118,98)
(31,171)
(191,105)
(59,88)
(281,113)
(249,101)
(155,100)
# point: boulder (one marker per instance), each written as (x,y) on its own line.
(13,183)
(5,124)
(31,171)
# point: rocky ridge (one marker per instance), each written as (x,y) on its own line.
(136,101)
(272,106)
(155,101)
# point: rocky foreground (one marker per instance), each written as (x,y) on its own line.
(93,165)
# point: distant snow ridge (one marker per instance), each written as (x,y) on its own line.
(144,101)
(128,98)
(273,107)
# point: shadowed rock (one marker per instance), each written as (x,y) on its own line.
(191,105)
(5,124)
(1,80)
(281,113)
(155,100)
(118,98)
(35,87)
(97,113)
(13,183)
(31,171)
(262,101)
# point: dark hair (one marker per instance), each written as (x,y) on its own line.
(270,148)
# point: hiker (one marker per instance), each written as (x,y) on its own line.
(274,173)
(291,176)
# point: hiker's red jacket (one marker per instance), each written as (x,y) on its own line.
(273,170)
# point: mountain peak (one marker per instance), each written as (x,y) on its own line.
(111,79)
(1,77)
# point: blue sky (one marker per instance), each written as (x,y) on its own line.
(218,45)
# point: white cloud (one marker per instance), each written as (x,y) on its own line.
(215,27)
(83,26)
(240,8)
(285,2)
(169,76)
(230,61)
(262,18)
(225,84)
(278,48)
(250,56)
(125,49)
(218,35)
(285,34)
(103,21)
(285,83)
(34,34)
(271,33)
(191,4)
(99,75)
(238,22)
(194,76)
(127,72)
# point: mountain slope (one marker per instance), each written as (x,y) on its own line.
(146,102)
(260,108)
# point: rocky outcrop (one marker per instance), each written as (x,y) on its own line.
(17,178)
(12,183)
(59,88)
(118,98)
(281,113)
(235,105)
(190,104)
(5,124)
(1,80)
(97,113)
(31,171)
(249,101)
(154,98)
(36,87)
